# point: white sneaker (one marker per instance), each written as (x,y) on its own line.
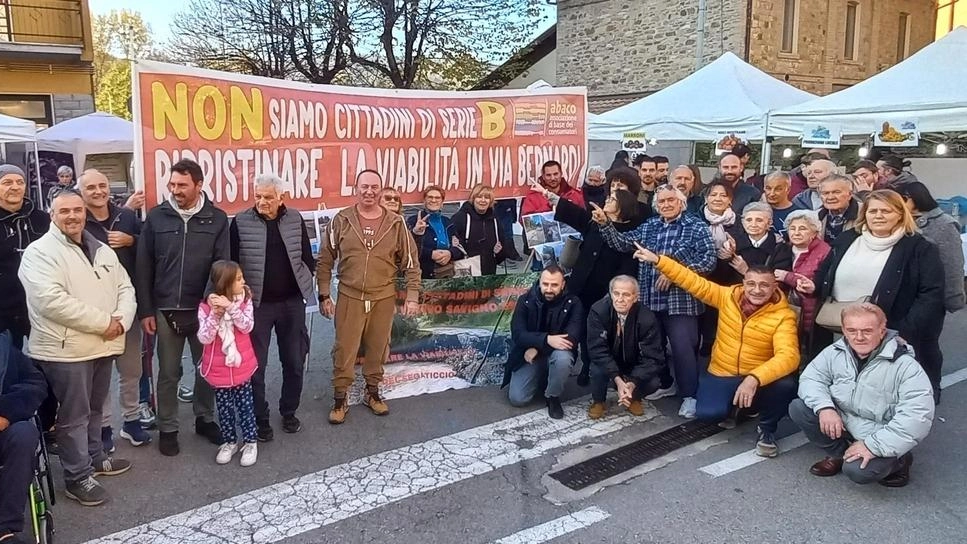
(225,453)
(687,410)
(250,453)
(669,391)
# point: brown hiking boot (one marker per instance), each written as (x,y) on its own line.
(375,402)
(339,408)
(597,410)
(635,408)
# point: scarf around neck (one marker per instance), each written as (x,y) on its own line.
(717,224)
(226,331)
(874,243)
(190,212)
(436,223)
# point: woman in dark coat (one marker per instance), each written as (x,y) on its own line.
(884,258)
(597,263)
(475,226)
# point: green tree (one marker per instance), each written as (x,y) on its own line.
(119,36)
(114,92)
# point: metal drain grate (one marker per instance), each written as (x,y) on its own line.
(610,464)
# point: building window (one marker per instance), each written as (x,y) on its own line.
(5,33)
(852,16)
(36,108)
(790,26)
(950,15)
(903,37)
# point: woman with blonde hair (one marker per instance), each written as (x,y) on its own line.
(475,226)
(885,260)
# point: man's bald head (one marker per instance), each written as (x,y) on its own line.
(95,189)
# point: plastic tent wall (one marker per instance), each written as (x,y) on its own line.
(88,135)
(929,87)
(13,129)
(727,95)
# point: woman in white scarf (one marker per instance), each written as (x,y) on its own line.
(718,213)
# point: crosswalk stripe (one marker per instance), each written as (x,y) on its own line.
(306,503)
(556,527)
(953,378)
(749,458)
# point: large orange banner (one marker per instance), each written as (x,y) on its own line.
(318,137)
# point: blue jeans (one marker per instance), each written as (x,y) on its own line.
(552,370)
(18,446)
(681,332)
(715,394)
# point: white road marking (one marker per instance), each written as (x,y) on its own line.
(953,378)
(557,527)
(749,458)
(306,503)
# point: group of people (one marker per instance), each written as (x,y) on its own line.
(830,314)
(666,263)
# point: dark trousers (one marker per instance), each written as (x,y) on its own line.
(18,325)
(708,325)
(234,405)
(931,359)
(147,368)
(289,320)
(715,395)
(18,451)
(506,211)
(81,388)
(600,382)
(807,420)
(681,334)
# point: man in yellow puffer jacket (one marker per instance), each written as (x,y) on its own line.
(756,351)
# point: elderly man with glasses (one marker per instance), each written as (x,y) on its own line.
(688,239)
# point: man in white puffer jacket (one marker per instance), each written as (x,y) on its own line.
(80,302)
(866,401)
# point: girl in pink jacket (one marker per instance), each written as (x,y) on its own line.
(228,359)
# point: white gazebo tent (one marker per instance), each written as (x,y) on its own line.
(16,130)
(929,87)
(725,96)
(90,134)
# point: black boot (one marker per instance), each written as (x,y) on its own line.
(554,408)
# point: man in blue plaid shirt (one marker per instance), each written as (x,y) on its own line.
(688,240)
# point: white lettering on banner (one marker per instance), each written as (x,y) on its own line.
(458,123)
(298,119)
(427,123)
(355,121)
(356,487)
(530,158)
(298,168)
(501,168)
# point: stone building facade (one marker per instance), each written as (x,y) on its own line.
(624,49)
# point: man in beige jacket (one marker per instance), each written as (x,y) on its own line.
(370,245)
(80,303)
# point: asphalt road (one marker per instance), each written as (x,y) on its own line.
(465,467)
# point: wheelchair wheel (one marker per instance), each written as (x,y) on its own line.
(46,531)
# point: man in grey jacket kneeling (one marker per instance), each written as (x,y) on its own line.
(865,401)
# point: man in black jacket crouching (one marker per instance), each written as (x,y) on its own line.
(624,343)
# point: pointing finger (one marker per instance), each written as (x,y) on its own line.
(595,206)
(639,246)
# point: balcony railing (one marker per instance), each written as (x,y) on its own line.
(41,22)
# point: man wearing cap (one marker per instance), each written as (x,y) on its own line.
(21,222)
(891,173)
